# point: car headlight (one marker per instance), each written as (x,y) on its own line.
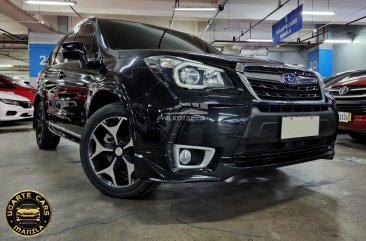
(187,73)
(10,102)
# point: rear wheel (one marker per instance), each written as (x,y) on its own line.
(360,137)
(106,153)
(46,140)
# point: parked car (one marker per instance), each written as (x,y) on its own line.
(14,107)
(17,86)
(350,94)
(343,76)
(149,105)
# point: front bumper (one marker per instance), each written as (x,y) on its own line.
(245,138)
(357,124)
(14,112)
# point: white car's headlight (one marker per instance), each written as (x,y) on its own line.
(10,102)
(187,74)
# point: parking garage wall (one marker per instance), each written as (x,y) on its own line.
(350,56)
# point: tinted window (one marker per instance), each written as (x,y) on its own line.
(129,35)
(5,84)
(85,35)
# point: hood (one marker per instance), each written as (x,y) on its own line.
(221,60)
(12,96)
(359,81)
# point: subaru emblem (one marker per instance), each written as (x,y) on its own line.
(344,90)
(290,78)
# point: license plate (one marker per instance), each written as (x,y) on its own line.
(345,117)
(299,126)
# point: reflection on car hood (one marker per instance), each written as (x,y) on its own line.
(11,96)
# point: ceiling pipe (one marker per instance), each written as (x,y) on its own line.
(332,30)
(9,56)
(19,15)
(219,9)
(73,9)
(280,5)
(10,35)
(14,42)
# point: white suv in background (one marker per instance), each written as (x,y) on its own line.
(14,107)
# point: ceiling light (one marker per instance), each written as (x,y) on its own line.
(195,9)
(6,65)
(338,41)
(46,2)
(259,40)
(318,13)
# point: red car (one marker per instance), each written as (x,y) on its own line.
(9,84)
(350,94)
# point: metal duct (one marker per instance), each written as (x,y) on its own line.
(23,17)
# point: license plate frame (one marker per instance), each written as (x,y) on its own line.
(299,126)
(344,117)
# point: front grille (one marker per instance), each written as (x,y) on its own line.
(291,108)
(358,109)
(352,92)
(278,70)
(280,91)
(268,84)
(253,158)
(25,104)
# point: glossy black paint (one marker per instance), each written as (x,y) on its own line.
(72,91)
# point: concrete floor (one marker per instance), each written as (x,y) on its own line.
(320,200)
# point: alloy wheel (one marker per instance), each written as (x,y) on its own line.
(110,152)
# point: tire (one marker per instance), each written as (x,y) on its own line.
(358,136)
(46,140)
(106,153)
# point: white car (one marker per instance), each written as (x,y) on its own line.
(14,107)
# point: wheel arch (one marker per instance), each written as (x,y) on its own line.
(37,100)
(100,99)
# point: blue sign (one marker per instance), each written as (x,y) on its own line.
(38,57)
(321,60)
(313,60)
(287,25)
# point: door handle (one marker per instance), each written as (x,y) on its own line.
(61,75)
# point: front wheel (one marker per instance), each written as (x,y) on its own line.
(46,140)
(106,153)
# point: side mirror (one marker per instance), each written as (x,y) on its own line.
(75,50)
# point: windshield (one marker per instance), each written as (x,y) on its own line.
(16,82)
(130,35)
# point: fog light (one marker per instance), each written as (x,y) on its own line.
(185,157)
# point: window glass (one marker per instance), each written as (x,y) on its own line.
(94,49)
(129,35)
(85,35)
(4,84)
(173,40)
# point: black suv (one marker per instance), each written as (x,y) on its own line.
(150,105)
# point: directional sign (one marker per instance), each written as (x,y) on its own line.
(287,25)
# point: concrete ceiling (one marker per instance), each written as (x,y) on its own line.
(235,9)
(235,18)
